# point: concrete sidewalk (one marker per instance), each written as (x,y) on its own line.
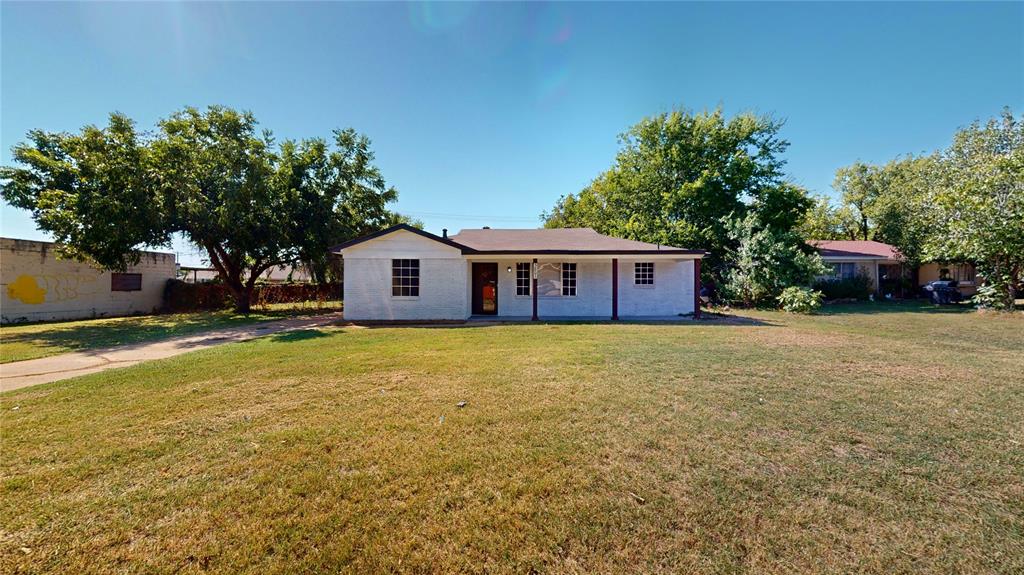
(21,374)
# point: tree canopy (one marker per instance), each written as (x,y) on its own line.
(211,175)
(680,177)
(977,208)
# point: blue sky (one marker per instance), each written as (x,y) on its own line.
(484,114)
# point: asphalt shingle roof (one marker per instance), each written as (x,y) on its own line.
(564,239)
(855,248)
(536,241)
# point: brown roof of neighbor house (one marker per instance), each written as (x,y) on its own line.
(532,241)
(556,240)
(855,248)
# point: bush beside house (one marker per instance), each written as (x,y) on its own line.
(859,287)
(181,296)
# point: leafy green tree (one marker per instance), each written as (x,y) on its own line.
(977,210)
(782,207)
(860,185)
(899,210)
(766,261)
(678,177)
(92,190)
(337,193)
(822,221)
(212,176)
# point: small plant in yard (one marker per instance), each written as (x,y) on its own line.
(800,300)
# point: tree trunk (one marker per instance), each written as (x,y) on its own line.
(243,301)
(230,272)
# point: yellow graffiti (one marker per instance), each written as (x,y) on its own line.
(27,290)
(51,288)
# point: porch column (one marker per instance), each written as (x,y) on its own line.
(696,288)
(534,290)
(615,288)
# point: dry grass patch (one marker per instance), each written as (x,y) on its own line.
(581,449)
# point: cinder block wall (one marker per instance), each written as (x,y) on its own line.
(37,286)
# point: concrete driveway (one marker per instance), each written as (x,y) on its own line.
(21,374)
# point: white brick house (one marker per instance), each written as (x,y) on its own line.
(403,273)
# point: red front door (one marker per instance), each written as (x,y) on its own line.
(485,288)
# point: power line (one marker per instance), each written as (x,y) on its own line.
(472,216)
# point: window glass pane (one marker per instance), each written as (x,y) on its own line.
(125,282)
(523,278)
(405,277)
(643,273)
(568,279)
(549,279)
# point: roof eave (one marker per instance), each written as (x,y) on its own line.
(399,227)
(698,253)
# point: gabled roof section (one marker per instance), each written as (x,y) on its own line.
(396,228)
(855,249)
(557,241)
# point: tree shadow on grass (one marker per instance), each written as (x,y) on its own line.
(85,335)
(709,320)
(80,336)
(298,335)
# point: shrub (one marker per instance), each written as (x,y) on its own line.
(181,296)
(800,300)
(765,262)
(859,286)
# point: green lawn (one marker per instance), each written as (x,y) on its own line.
(873,439)
(30,341)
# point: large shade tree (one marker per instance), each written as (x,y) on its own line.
(859,185)
(680,177)
(899,211)
(211,175)
(824,221)
(977,210)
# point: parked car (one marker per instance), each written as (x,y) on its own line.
(942,292)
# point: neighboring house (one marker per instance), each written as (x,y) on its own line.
(37,286)
(964,274)
(286,274)
(403,273)
(884,265)
(275,275)
(849,258)
(196,275)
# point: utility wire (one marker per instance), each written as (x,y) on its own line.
(472,217)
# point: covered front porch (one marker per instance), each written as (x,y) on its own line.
(583,319)
(582,287)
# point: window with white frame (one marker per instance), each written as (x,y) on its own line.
(643,273)
(568,278)
(405,278)
(523,277)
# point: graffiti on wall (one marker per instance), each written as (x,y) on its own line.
(38,289)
